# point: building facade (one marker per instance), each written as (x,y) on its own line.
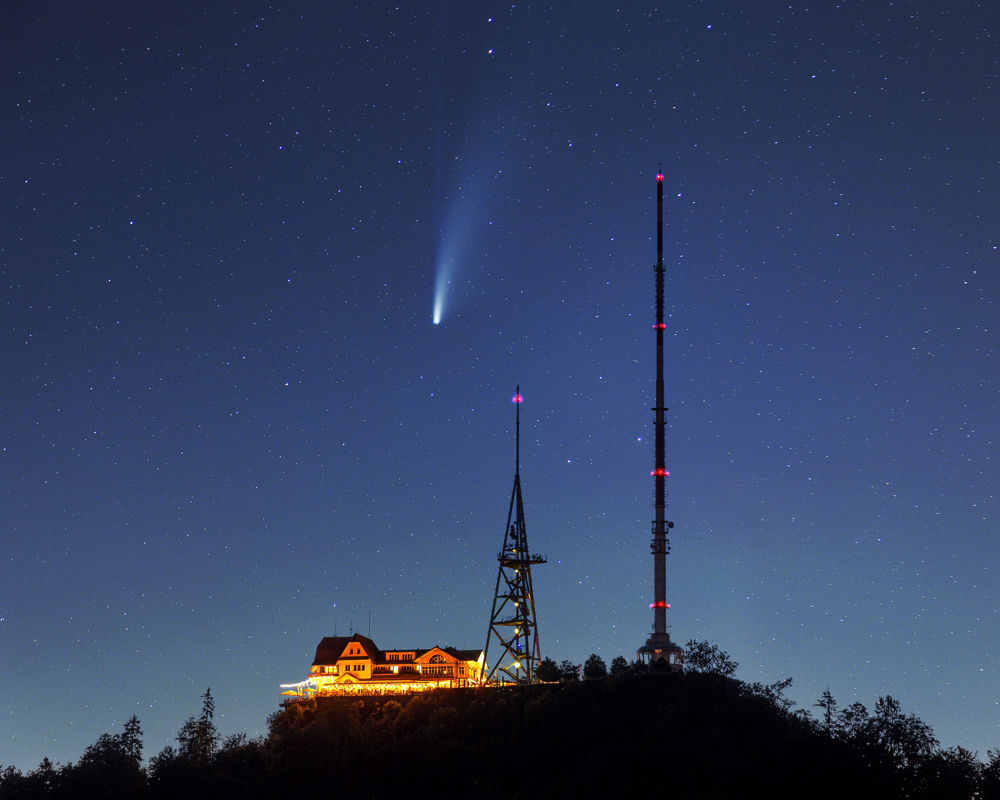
(355,666)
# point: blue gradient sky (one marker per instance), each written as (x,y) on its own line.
(229,427)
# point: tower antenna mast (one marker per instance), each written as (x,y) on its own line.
(659,647)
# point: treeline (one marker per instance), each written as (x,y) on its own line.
(590,729)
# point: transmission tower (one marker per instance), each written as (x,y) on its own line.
(658,646)
(513,628)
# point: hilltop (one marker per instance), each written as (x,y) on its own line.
(700,733)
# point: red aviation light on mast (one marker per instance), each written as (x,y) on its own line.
(659,177)
(661,473)
(517,398)
(660,604)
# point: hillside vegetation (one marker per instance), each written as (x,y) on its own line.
(700,734)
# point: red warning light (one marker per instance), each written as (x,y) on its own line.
(660,604)
(661,325)
(659,177)
(662,473)
(516,398)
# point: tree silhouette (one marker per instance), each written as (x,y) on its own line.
(131,740)
(990,777)
(619,666)
(44,781)
(953,773)
(198,737)
(568,671)
(594,668)
(772,692)
(547,671)
(187,770)
(906,738)
(707,657)
(828,704)
(109,768)
(852,723)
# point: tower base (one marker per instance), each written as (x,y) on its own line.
(659,648)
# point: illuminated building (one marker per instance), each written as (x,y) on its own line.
(354,665)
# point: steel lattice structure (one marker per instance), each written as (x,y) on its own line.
(513,627)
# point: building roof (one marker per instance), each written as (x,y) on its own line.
(464,655)
(332,648)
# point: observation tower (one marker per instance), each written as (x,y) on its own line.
(513,633)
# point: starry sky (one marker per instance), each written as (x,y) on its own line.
(229,425)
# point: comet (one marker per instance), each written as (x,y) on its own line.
(451,251)
(442,282)
(467,229)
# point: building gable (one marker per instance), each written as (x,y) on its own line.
(436,655)
(332,648)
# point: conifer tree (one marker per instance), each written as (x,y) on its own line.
(594,668)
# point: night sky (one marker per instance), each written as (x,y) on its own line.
(230,425)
